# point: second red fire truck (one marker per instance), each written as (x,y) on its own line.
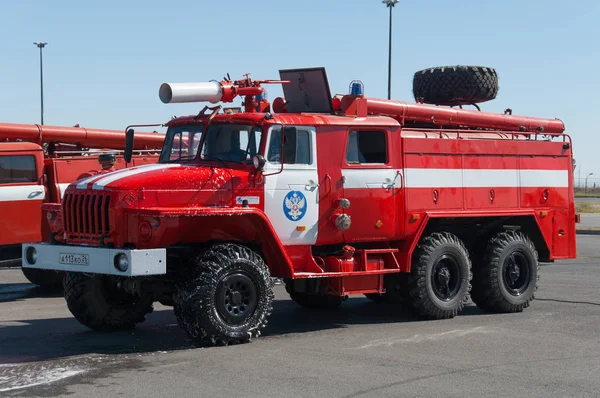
(37,163)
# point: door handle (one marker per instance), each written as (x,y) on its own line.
(35,193)
(389,184)
(311,185)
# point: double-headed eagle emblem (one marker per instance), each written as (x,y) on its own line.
(294,205)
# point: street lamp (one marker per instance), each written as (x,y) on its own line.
(41,45)
(390,4)
(586,178)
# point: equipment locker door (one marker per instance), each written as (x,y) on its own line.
(292,192)
(372,182)
(21,197)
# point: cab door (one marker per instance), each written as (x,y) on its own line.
(372,182)
(291,190)
(21,196)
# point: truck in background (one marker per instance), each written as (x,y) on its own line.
(37,163)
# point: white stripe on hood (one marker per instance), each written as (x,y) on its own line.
(82,184)
(112,177)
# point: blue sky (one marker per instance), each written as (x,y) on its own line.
(106,60)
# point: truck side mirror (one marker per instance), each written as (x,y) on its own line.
(128,146)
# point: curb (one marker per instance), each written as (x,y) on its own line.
(587,232)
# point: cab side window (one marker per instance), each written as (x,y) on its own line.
(366,147)
(14,169)
(296,147)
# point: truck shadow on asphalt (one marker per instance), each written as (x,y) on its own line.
(33,340)
(21,291)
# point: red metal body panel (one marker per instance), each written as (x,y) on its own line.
(21,219)
(175,192)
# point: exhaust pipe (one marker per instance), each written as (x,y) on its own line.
(191,92)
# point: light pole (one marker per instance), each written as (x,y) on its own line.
(586,181)
(390,4)
(41,45)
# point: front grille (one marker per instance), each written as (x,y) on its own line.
(85,215)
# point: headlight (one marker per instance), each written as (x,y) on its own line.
(122,262)
(31,255)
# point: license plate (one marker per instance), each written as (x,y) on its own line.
(74,259)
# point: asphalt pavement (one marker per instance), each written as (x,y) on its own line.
(362,349)
(589,224)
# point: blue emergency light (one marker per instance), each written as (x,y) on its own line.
(357,88)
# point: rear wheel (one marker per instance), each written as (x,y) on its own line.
(439,281)
(96,302)
(506,279)
(44,278)
(227,298)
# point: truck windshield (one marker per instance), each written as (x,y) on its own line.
(231,142)
(181,143)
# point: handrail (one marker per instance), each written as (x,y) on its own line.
(510,135)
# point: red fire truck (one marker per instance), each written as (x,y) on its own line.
(30,176)
(338,195)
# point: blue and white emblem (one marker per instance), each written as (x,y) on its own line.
(294,205)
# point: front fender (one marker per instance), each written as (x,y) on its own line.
(206,224)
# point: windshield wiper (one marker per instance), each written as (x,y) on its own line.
(205,157)
(186,159)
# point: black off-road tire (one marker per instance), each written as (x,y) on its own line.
(47,279)
(96,303)
(227,298)
(439,257)
(313,301)
(455,85)
(493,288)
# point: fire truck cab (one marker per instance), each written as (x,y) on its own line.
(21,195)
(338,195)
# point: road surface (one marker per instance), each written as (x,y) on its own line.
(360,350)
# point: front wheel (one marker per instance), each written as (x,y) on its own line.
(227,298)
(439,281)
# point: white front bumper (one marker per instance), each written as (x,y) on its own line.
(99,260)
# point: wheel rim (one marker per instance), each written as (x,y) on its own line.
(516,273)
(446,277)
(236,298)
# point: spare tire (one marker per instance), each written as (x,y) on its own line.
(455,85)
